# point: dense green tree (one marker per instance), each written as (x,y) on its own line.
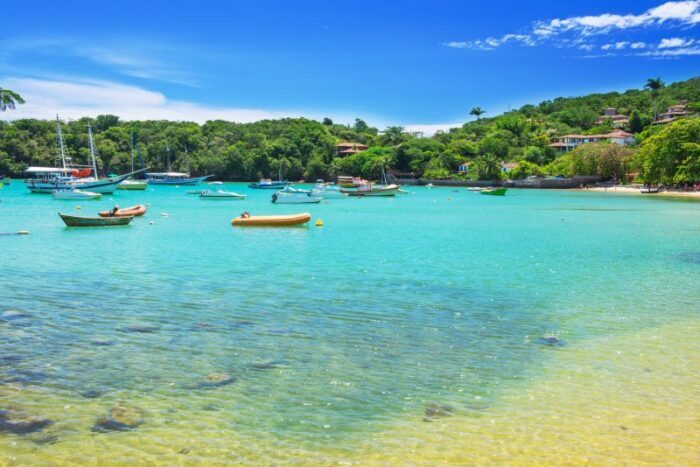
(487,167)
(672,155)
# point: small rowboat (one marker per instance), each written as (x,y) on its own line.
(134,211)
(494,191)
(272,221)
(76,221)
(75,194)
(220,194)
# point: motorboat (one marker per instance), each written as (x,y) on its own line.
(78,221)
(220,194)
(75,194)
(134,211)
(291,195)
(327,191)
(649,190)
(131,184)
(272,221)
(494,191)
(475,188)
(267,184)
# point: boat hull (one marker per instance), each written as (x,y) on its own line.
(268,186)
(272,221)
(133,211)
(133,185)
(221,196)
(76,221)
(388,191)
(184,181)
(104,187)
(494,192)
(301,198)
(75,194)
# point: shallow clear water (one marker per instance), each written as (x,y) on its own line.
(339,338)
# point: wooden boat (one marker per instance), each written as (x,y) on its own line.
(77,221)
(494,191)
(75,194)
(373,190)
(134,211)
(649,190)
(220,194)
(272,221)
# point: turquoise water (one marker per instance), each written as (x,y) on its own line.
(332,334)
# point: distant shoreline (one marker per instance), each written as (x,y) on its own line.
(627,190)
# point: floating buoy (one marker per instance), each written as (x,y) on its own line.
(152,222)
(78,208)
(23,232)
(164,214)
(319,223)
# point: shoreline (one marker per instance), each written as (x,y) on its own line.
(627,190)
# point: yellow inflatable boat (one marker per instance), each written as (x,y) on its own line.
(272,221)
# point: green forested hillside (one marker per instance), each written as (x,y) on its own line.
(306,148)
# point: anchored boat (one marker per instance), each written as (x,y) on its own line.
(133,211)
(75,194)
(291,195)
(494,191)
(220,194)
(77,221)
(272,221)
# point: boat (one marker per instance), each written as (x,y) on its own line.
(75,194)
(130,183)
(77,221)
(474,188)
(220,194)
(327,191)
(429,185)
(346,181)
(215,183)
(267,184)
(649,190)
(70,176)
(194,192)
(291,195)
(134,211)
(494,191)
(272,221)
(372,190)
(173,178)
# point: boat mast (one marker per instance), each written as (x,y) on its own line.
(59,134)
(187,159)
(92,152)
(132,150)
(167,149)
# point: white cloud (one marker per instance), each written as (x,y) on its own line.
(669,14)
(674,52)
(80,98)
(638,45)
(674,42)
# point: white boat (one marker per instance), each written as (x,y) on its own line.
(215,183)
(429,185)
(75,194)
(327,191)
(220,194)
(474,188)
(291,195)
(194,192)
(173,178)
(133,185)
(649,190)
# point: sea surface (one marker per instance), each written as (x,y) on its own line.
(436,326)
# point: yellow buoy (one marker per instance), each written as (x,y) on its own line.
(319,223)
(78,208)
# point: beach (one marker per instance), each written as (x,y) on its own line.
(627,190)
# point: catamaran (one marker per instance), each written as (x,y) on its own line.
(173,178)
(70,176)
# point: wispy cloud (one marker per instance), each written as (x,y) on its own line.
(674,42)
(581,31)
(143,59)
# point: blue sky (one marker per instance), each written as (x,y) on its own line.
(418,64)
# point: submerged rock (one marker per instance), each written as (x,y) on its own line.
(120,418)
(92,393)
(692,257)
(551,340)
(141,328)
(10,315)
(215,380)
(266,365)
(101,342)
(20,423)
(434,411)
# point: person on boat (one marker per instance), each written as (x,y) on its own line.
(245,215)
(113,211)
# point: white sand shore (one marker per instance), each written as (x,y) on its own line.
(628,190)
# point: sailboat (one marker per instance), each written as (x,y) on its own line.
(368,189)
(70,176)
(173,178)
(130,183)
(268,184)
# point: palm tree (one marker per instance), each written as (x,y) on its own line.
(478,112)
(654,85)
(8,99)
